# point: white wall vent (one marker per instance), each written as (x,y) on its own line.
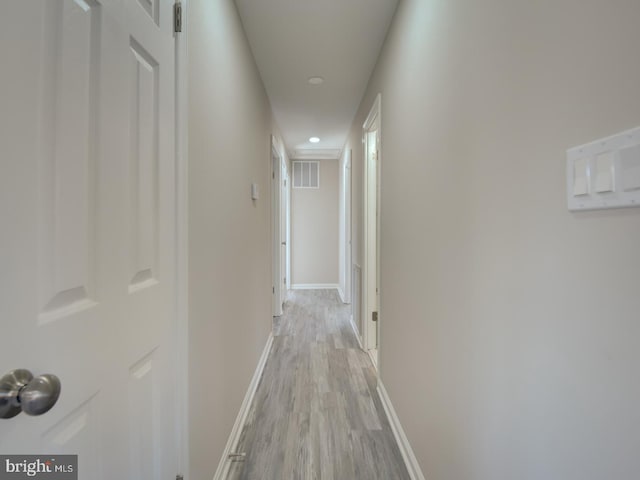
(306,174)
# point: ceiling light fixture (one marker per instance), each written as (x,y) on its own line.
(316,80)
(314,139)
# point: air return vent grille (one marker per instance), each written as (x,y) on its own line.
(306,174)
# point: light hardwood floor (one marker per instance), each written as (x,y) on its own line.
(316,413)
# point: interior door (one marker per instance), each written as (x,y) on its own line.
(283,232)
(276,240)
(87,205)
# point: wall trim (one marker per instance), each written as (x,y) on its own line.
(341,293)
(410,460)
(314,286)
(232,443)
(371,261)
(182,241)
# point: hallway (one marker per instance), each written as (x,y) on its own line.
(465,174)
(317,414)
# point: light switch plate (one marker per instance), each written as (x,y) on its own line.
(605,173)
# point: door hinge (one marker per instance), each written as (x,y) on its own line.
(177,17)
(273,289)
(374,316)
(179,477)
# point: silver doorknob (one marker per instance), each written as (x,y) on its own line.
(20,392)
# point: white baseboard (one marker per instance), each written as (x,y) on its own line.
(232,443)
(355,330)
(314,286)
(403,443)
(341,293)
(373,355)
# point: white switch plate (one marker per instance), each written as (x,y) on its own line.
(605,173)
(255,191)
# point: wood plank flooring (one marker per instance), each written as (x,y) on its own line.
(316,413)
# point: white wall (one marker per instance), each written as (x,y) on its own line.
(230,125)
(314,230)
(509,326)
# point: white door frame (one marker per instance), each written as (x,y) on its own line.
(284,228)
(287,196)
(276,227)
(347,228)
(182,244)
(371,260)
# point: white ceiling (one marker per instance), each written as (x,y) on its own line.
(293,40)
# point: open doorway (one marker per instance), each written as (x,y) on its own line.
(371,273)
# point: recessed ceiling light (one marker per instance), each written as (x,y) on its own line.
(314,139)
(316,80)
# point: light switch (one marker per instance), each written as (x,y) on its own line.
(630,168)
(581,177)
(255,191)
(604,173)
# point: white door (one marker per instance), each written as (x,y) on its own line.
(87,205)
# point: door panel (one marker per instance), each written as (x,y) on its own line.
(87,205)
(67,141)
(144,167)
